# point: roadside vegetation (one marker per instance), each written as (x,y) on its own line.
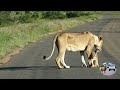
(107,12)
(19,28)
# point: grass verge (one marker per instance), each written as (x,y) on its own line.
(108,12)
(16,37)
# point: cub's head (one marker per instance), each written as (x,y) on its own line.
(98,43)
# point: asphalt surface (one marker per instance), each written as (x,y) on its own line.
(29,63)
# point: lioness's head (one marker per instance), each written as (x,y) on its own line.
(99,44)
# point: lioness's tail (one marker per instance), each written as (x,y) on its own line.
(52,49)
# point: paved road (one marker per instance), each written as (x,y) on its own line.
(29,63)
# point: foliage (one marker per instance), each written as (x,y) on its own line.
(13,17)
(71,14)
(54,14)
(16,17)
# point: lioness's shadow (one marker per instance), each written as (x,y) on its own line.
(30,68)
(35,68)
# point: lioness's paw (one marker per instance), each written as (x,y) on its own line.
(84,65)
(61,67)
(67,67)
(93,66)
(97,65)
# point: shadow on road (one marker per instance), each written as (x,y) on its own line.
(35,68)
(29,68)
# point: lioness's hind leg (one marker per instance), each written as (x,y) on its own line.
(63,61)
(59,63)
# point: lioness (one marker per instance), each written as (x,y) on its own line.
(93,60)
(84,41)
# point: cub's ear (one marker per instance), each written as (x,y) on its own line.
(100,37)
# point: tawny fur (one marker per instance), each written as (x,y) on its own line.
(84,41)
(93,60)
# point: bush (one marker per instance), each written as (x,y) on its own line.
(53,15)
(13,17)
(71,14)
(24,18)
(4,18)
(35,15)
(84,13)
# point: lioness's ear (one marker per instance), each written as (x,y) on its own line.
(100,38)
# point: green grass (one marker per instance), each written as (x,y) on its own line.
(108,12)
(20,35)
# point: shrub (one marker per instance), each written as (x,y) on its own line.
(54,14)
(71,14)
(4,18)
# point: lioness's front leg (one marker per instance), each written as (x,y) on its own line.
(96,63)
(83,59)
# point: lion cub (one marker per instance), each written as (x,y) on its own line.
(93,60)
